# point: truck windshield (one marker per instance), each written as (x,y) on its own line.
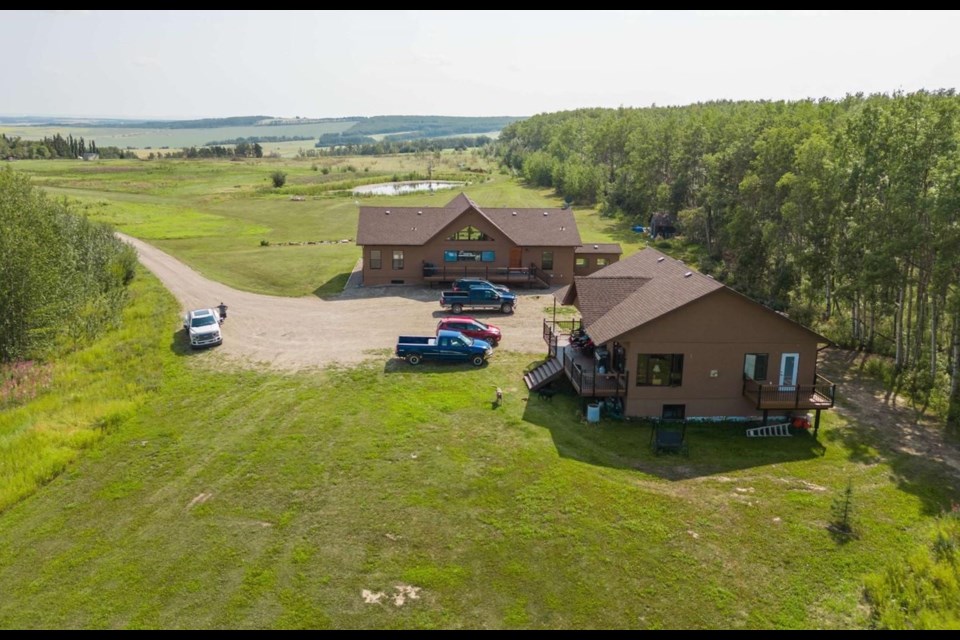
(203,321)
(467,340)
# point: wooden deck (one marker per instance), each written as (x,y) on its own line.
(581,369)
(802,396)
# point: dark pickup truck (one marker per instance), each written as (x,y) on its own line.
(450,346)
(457,301)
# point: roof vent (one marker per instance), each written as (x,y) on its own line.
(419,213)
(596,246)
(562,228)
(546,213)
(387,212)
(688,274)
(660,259)
(514,213)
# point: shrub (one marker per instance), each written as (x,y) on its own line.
(279,179)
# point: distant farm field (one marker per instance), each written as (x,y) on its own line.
(176,138)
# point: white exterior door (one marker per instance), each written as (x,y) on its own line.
(789,363)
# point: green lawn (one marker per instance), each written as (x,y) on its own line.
(255,499)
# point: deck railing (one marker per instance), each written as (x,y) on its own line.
(589,382)
(820,395)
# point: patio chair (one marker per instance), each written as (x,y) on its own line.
(669,437)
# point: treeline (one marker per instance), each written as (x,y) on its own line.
(257,139)
(241,150)
(62,277)
(430,126)
(846,213)
(387,146)
(337,139)
(55,147)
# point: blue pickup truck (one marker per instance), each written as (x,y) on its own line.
(450,346)
(475,298)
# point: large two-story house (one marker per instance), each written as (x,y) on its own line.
(415,245)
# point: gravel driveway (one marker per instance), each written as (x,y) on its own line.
(296,333)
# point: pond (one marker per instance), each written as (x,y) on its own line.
(400,188)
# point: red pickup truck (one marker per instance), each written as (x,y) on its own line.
(471,327)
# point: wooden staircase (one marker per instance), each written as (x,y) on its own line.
(544,374)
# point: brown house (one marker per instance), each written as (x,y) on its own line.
(407,245)
(668,342)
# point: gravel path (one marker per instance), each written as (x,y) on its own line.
(297,333)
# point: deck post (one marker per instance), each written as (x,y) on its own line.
(765,413)
(816,424)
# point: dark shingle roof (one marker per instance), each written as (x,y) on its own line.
(600,247)
(417,225)
(639,289)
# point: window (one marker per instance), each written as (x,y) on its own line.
(546,262)
(488,256)
(469,233)
(659,369)
(581,262)
(397,260)
(376,259)
(452,255)
(601,262)
(674,412)
(755,366)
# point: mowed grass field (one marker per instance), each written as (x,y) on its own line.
(214,215)
(240,498)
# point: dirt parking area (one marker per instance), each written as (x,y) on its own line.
(298,333)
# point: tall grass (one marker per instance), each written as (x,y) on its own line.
(91,391)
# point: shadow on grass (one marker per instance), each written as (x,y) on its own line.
(923,459)
(399,365)
(180,344)
(332,288)
(713,448)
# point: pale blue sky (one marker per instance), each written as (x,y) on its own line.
(208,64)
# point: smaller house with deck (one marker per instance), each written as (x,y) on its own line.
(537,247)
(665,341)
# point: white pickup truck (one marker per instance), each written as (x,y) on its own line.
(203,328)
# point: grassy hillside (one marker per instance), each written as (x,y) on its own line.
(251,499)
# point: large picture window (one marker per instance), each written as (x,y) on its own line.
(755,366)
(376,259)
(397,260)
(546,261)
(659,369)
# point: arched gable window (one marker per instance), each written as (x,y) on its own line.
(470,233)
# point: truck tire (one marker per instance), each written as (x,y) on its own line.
(506,307)
(414,359)
(457,308)
(477,361)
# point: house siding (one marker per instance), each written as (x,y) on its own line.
(432,251)
(562,272)
(714,333)
(591,266)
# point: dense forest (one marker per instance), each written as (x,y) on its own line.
(844,213)
(62,277)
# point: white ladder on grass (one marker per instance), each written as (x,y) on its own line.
(769,431)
